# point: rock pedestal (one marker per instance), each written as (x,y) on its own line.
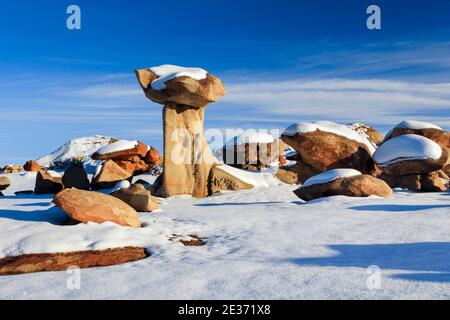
(187,158)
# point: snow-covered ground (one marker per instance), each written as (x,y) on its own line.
(261,244)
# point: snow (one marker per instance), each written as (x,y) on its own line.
(416,125)
(77,148)
(261,244)
(406,147)
(168,72)
(118,146)
(331,176)
(258,179)
(331,127)
(251,137)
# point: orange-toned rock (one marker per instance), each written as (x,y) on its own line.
(153,157)
(139,149)
(221,180)
(356,186)
(47,184)
(110,173)
(431,182)
(32,166)
(138,198)
(46,262)
(90,206)
(5,182)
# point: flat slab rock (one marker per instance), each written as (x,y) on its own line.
(46,262)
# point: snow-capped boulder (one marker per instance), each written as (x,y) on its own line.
(252,151)
(139,198)
(410,154)
(185,92)
(76,177)
(327,145)
(89,206)
(343,182)
(5,182)
(369,133)
(121,150)
(32,166)
(79,149)
(108,175)
(183,86)
(47,184)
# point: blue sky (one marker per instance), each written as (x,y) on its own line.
(282,62)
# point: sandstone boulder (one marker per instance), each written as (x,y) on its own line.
(32,166)
(109,175)
(343,182)
(410,155)
(182,86)
(138,198)
(370,133)
(153,157)
(5,182)
(296,173)
(326,145)
(121,150)
(90,206)
(252,151)
(47,262)
(221,180)
(12,168)
(76,177)
(431,182)
(47,184)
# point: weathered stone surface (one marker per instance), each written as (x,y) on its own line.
(138,198)
(140,150)
(76,177)
(110,174)
(47,184)
(325,151)
(153,157)
(221,180)
(418,183)
(356,186)
(134,165)
(374,137)
(32,166)
(89,206)
(5,182)
(182,90)
(47,262)
(296,173)
(441,137)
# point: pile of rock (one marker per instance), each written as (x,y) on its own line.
(414,156)
(12,168)
(324,146)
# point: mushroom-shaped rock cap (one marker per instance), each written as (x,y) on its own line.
(186,86)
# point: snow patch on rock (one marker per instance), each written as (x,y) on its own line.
(258,179)
(416,125)
(331,175)
(406,147)
(168,72)
(331,127)
(118,146)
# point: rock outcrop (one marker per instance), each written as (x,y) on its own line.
(46,262)
(184,92)
(138,198)
(90,206)
(357,185)
(12,168)
(325,145)
(109,175)
(47,184)
(221,180)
